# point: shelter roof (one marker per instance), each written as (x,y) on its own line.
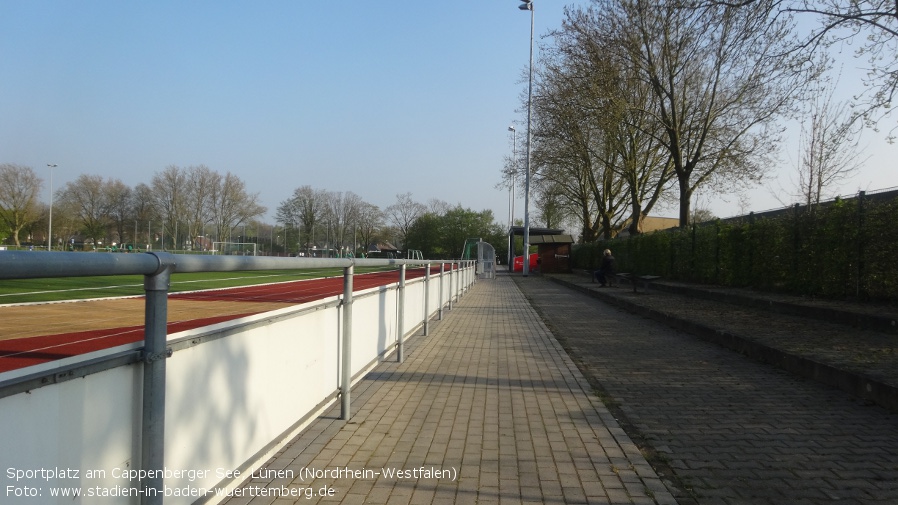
(551,239)
(519,230)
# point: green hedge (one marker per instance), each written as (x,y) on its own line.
(845,249)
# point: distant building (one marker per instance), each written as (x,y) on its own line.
(553,249)
(554,252)
(650,224)
(383,250)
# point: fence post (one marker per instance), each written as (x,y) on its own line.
(797,278)
(400,324)
(462,278)
(460,281)
(442,276)
(451,282)
(346,348)
(692,262)
(427,300)
(717,251)
(861,235)
(152,454)
(751,249)
(674,240)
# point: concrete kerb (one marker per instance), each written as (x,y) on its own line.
(872,321)
(856,384)
(887,324)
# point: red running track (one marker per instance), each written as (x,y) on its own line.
(24,352)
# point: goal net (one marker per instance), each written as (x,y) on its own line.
(234,248)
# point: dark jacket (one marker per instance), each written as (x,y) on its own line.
(607,266)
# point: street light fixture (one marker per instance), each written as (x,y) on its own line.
(527,5)
(50,228)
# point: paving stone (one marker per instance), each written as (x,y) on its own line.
(729,429)
(493,397)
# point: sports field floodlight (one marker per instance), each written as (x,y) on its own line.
(513,171)
(527,5)
(50,228)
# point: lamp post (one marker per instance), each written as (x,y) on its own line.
(50,227)
(527,5)
(514,165)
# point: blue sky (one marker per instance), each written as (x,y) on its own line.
(377,98)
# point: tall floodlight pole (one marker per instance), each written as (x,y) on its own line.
(514,166)
(50,227)
(527,5)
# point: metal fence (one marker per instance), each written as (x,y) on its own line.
(157,268)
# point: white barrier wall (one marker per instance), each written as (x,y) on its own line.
(229,399)
(55,436)
(374,328)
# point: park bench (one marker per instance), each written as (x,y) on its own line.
(634,280)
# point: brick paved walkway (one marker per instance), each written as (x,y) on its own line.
(490,398)
(733,430)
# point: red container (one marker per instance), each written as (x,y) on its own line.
(519,262)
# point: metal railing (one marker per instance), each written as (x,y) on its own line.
(157,268)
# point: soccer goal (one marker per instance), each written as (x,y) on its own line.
(234,248)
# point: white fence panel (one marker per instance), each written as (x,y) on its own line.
(233,390)
(414,305)
(74,434)
(374,328)
(227,399)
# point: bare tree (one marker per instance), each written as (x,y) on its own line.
(551,207)
(87,197)
(19,186)
(118,201)
(201,183)
(829,148)
(403,214)
(613,98)
(872,28)
(232,206)
(437,206)
(341,211)
(570,153)
(305,211)
(370,221)
(169,195)
(721,76)
(142,209)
